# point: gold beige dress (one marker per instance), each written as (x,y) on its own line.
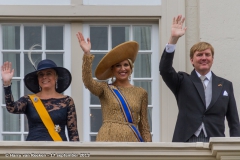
(114,127)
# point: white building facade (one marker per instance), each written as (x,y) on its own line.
(54,24)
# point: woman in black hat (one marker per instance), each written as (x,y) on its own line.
(48,111)
(124,106)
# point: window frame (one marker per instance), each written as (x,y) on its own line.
(155,77)
(66,59)
(122,2)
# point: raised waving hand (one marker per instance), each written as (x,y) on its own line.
(177,29)
(86,46)
(7,73)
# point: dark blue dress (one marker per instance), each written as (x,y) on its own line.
(61,110)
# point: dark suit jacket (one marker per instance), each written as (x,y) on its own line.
(189,93)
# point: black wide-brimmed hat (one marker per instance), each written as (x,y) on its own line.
(64,76)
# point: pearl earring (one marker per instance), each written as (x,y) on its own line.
(129,78)
(56,84)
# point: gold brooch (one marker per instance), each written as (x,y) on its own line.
(57,128)
(35,99)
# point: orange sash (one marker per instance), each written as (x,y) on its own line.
(45,117)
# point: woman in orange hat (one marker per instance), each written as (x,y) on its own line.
(124,106)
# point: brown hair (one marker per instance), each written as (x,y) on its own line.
(201,46)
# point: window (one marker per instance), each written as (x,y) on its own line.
(16,40)
(104,38)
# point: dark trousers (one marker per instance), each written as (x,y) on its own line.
(201,138)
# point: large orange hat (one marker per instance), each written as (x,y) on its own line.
(124,51)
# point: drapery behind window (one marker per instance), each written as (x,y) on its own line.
(142,65)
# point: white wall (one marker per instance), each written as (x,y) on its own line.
(216,22)
(35,2)
(220,25)
(121,2)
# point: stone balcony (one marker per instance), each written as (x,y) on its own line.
(217,149)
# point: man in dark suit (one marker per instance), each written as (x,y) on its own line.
(204,99)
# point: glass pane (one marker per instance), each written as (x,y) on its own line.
(25,136)
(25,124)
(28,67)
(14,58)
(94,99)
(32,35)
(54,37)
(96,60)
(142,66)
(57,58)
(96,119)
(150,118)
(99,38)
(11,122)
(147,85)
(36,57)
(142,34)
(12,137)
(11,37)
(27,91)
(15,90)
(93,138)
(119,35)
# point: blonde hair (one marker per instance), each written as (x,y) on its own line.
(201,46)
(131,63)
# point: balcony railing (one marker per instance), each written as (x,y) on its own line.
(217,149)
